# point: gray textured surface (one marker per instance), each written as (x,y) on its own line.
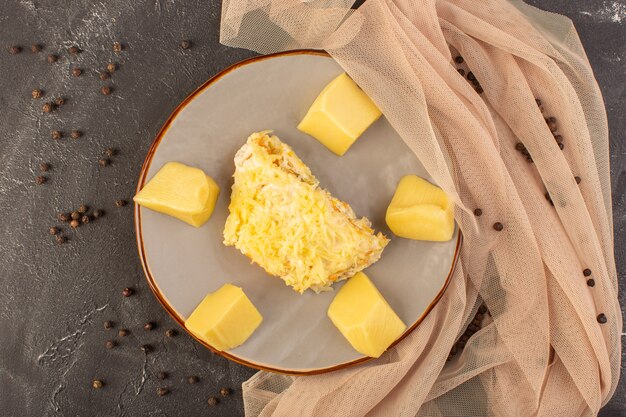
(54,299)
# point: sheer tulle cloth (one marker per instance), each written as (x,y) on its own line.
(543,351)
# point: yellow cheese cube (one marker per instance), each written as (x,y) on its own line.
(364,317)
(224,319)
(339,115)
(420,210)
(181,191)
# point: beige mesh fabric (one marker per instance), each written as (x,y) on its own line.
(543,351)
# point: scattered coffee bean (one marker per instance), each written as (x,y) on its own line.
(36,93)
(97,213)
(103,162)
(120,203)
(602,318)
(73,50)
(591,282)
(117,47)
(498,226)
(519,146)
(59,101)
(461,71)
(75,215)
(104,76)
(127,292)
(170,333)
(213,401)
(54,231)
(106,90)
(40,179)
(15,49)
(83,209)
(162,375)
(551,122)
(52,58)
(482,309)
(64,217)
(529,159)
(122,332)
(47,107)
(193,380)
(108,324)
(578,179)
(459,59)
(85,219)
(525,152)
(538,101)
(77,72)
(185,44)
(110,344)
(558,138)
(44,167)
(478,212)
(549,199)
(162,391)
(146,348)
(110,152)
(473,327)
(35,48)
(97,384)
(148,326)
(74,224)
(56,134)
(111,67)
(225,392)
(561,146)
(470,76)
(586,272)
(61,239)
(75,134)
(479,90)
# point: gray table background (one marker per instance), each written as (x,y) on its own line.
(53,299)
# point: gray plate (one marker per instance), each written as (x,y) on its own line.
(183,263)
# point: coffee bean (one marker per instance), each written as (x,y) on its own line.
(54,231)
(478,212)
(44,167)
(470,76)
(551,122)
(85,219)
(103,162)
(74,224)
(127,292)
(120,203)
(52,58)
(162,391)
(83,209)
(561,146)
(586,272)
(538,101)
(106,90)
(75,134)
(64,217)
(193,380)
(461,71)
(104,76)
(459,59)
(117,47)
(519,146)
(35,48)
(61,239)
(225,392)
(15,49)
(108,324)
(602,318)
(97,384)
(558,138)
(148,326)
(213,401)
(110,344)
(40,179)
(122,332)
(36,93)
(73,50)
(591,282)
(98,213)
(479,89)
(146,348)
(111,67)
(75,215)
(110,152)
(482,309)
(578,179)
(77,72)
(59,101)
(162,375)
(47,107)
(170,333)
(56,134)
(185,44)
(498,226)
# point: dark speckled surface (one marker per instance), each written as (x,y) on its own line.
(54,299)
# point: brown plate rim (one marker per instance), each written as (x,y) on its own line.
(142,254)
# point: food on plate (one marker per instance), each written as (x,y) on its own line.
(364,317)
(282,220)
(225,319)
(339,115)
(181,191)
(420,210)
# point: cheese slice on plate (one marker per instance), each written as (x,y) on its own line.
(283,221)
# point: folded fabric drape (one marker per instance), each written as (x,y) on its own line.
(498,101)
